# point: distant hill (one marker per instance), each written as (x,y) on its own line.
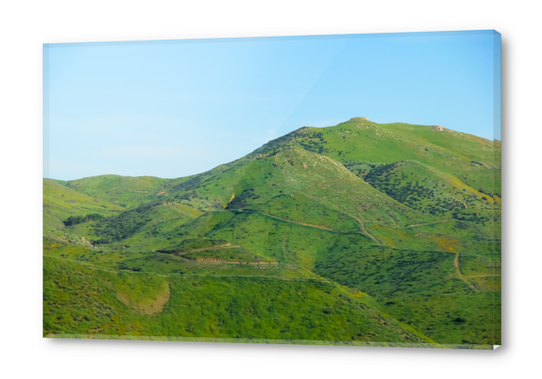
(392,222)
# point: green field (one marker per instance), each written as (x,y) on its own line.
(358,234)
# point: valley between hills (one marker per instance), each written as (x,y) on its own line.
(354,234)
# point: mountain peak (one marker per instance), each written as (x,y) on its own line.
(358,119)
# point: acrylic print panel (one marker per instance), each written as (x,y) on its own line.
(340,190)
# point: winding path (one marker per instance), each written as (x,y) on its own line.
(363,231)
(460,275)
(366,232)
(427,223)
(216,247)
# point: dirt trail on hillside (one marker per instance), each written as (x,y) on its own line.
(216,247)
(427,223)
(88,264)
(366,232)
(322,227)
(220,261)
(460,275)
(482,275)
(264,277)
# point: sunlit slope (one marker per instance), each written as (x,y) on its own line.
(474,160)
(262,181)
(124,191)
(267,237)
(129,192)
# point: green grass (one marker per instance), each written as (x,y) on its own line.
(60,203)
(359,233)
(146,217)
(123,191)
(79,299)
(358,140)
(420,288)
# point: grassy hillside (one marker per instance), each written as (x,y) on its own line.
(79,299)
(61,203)
(123,191)
(423,288)
(474,159)
(356,233)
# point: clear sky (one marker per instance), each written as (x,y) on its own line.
(181,107)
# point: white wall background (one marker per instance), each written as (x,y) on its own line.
(25,25)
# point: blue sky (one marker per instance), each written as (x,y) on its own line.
(181,107)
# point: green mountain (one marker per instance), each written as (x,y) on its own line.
(360,233)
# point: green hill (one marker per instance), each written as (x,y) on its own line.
(356,233)
(474,160)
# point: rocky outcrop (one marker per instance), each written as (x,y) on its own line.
(438,128)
